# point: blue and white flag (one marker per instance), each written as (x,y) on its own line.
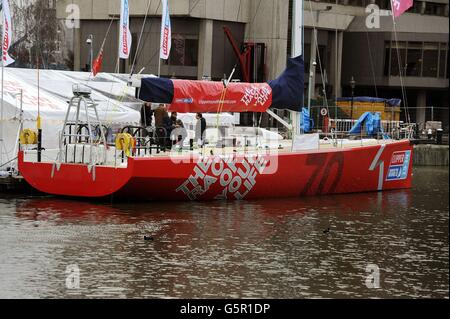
(125,34)
(7,34)
(166,32)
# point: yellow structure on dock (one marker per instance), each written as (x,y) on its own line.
(388,108)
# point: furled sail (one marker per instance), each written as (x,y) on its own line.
(186,96)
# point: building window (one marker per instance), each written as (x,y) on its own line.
(383,4)
(416,7)
(430,59)
(184,51)
(401,49)
(414,59)
(322,55)
(387,54)
(134,41)
(436,9)
(443,51)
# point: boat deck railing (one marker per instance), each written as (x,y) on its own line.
(394,129)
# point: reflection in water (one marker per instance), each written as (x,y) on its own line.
(271,248)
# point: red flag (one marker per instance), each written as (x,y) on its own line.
(97,64)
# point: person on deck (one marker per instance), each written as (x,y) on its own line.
(200,129)
(160,115)
(179,133)
(163,126)
(173,119)
(146,114)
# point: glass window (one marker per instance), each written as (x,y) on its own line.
(184,51)
(134,41)
(401,48)
(358,3)
(322,55)
(430,59)
(446,76)
(383,4)
(442,59)
(437,9)
(387,54)
(307,51)
(191,52)
(414,59)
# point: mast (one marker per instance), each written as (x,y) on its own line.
(297,49)
(1,110)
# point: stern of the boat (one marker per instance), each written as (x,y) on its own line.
(75,180)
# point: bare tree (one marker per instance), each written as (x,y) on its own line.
(38,34)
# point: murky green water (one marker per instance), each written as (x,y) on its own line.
(267,249)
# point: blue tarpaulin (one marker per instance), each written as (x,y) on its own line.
(372,123)
(306,122)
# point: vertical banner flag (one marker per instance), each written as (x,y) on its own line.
(125,34)
(400,6)
(7,33)
(166,32)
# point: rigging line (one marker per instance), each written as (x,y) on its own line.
(9,161)
(318,57)
(336,67)
(146,38)
(221,103)
(254,51)
(371,64)
(256,12)
(140,37)
(137,55)
(193,7)
(102,46)
(239,10)
(400,68)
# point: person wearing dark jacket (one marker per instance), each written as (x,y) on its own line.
(146,114)
(161,116)
(173,119)
(200,129)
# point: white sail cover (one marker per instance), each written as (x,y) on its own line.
(117,106)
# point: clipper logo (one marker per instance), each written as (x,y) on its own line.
(185,100)
(399,166)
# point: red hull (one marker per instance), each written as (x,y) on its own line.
(331,171)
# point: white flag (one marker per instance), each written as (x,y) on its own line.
(166,32)
(125,34)
(7,34)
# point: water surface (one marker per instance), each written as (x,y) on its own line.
(278,248)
